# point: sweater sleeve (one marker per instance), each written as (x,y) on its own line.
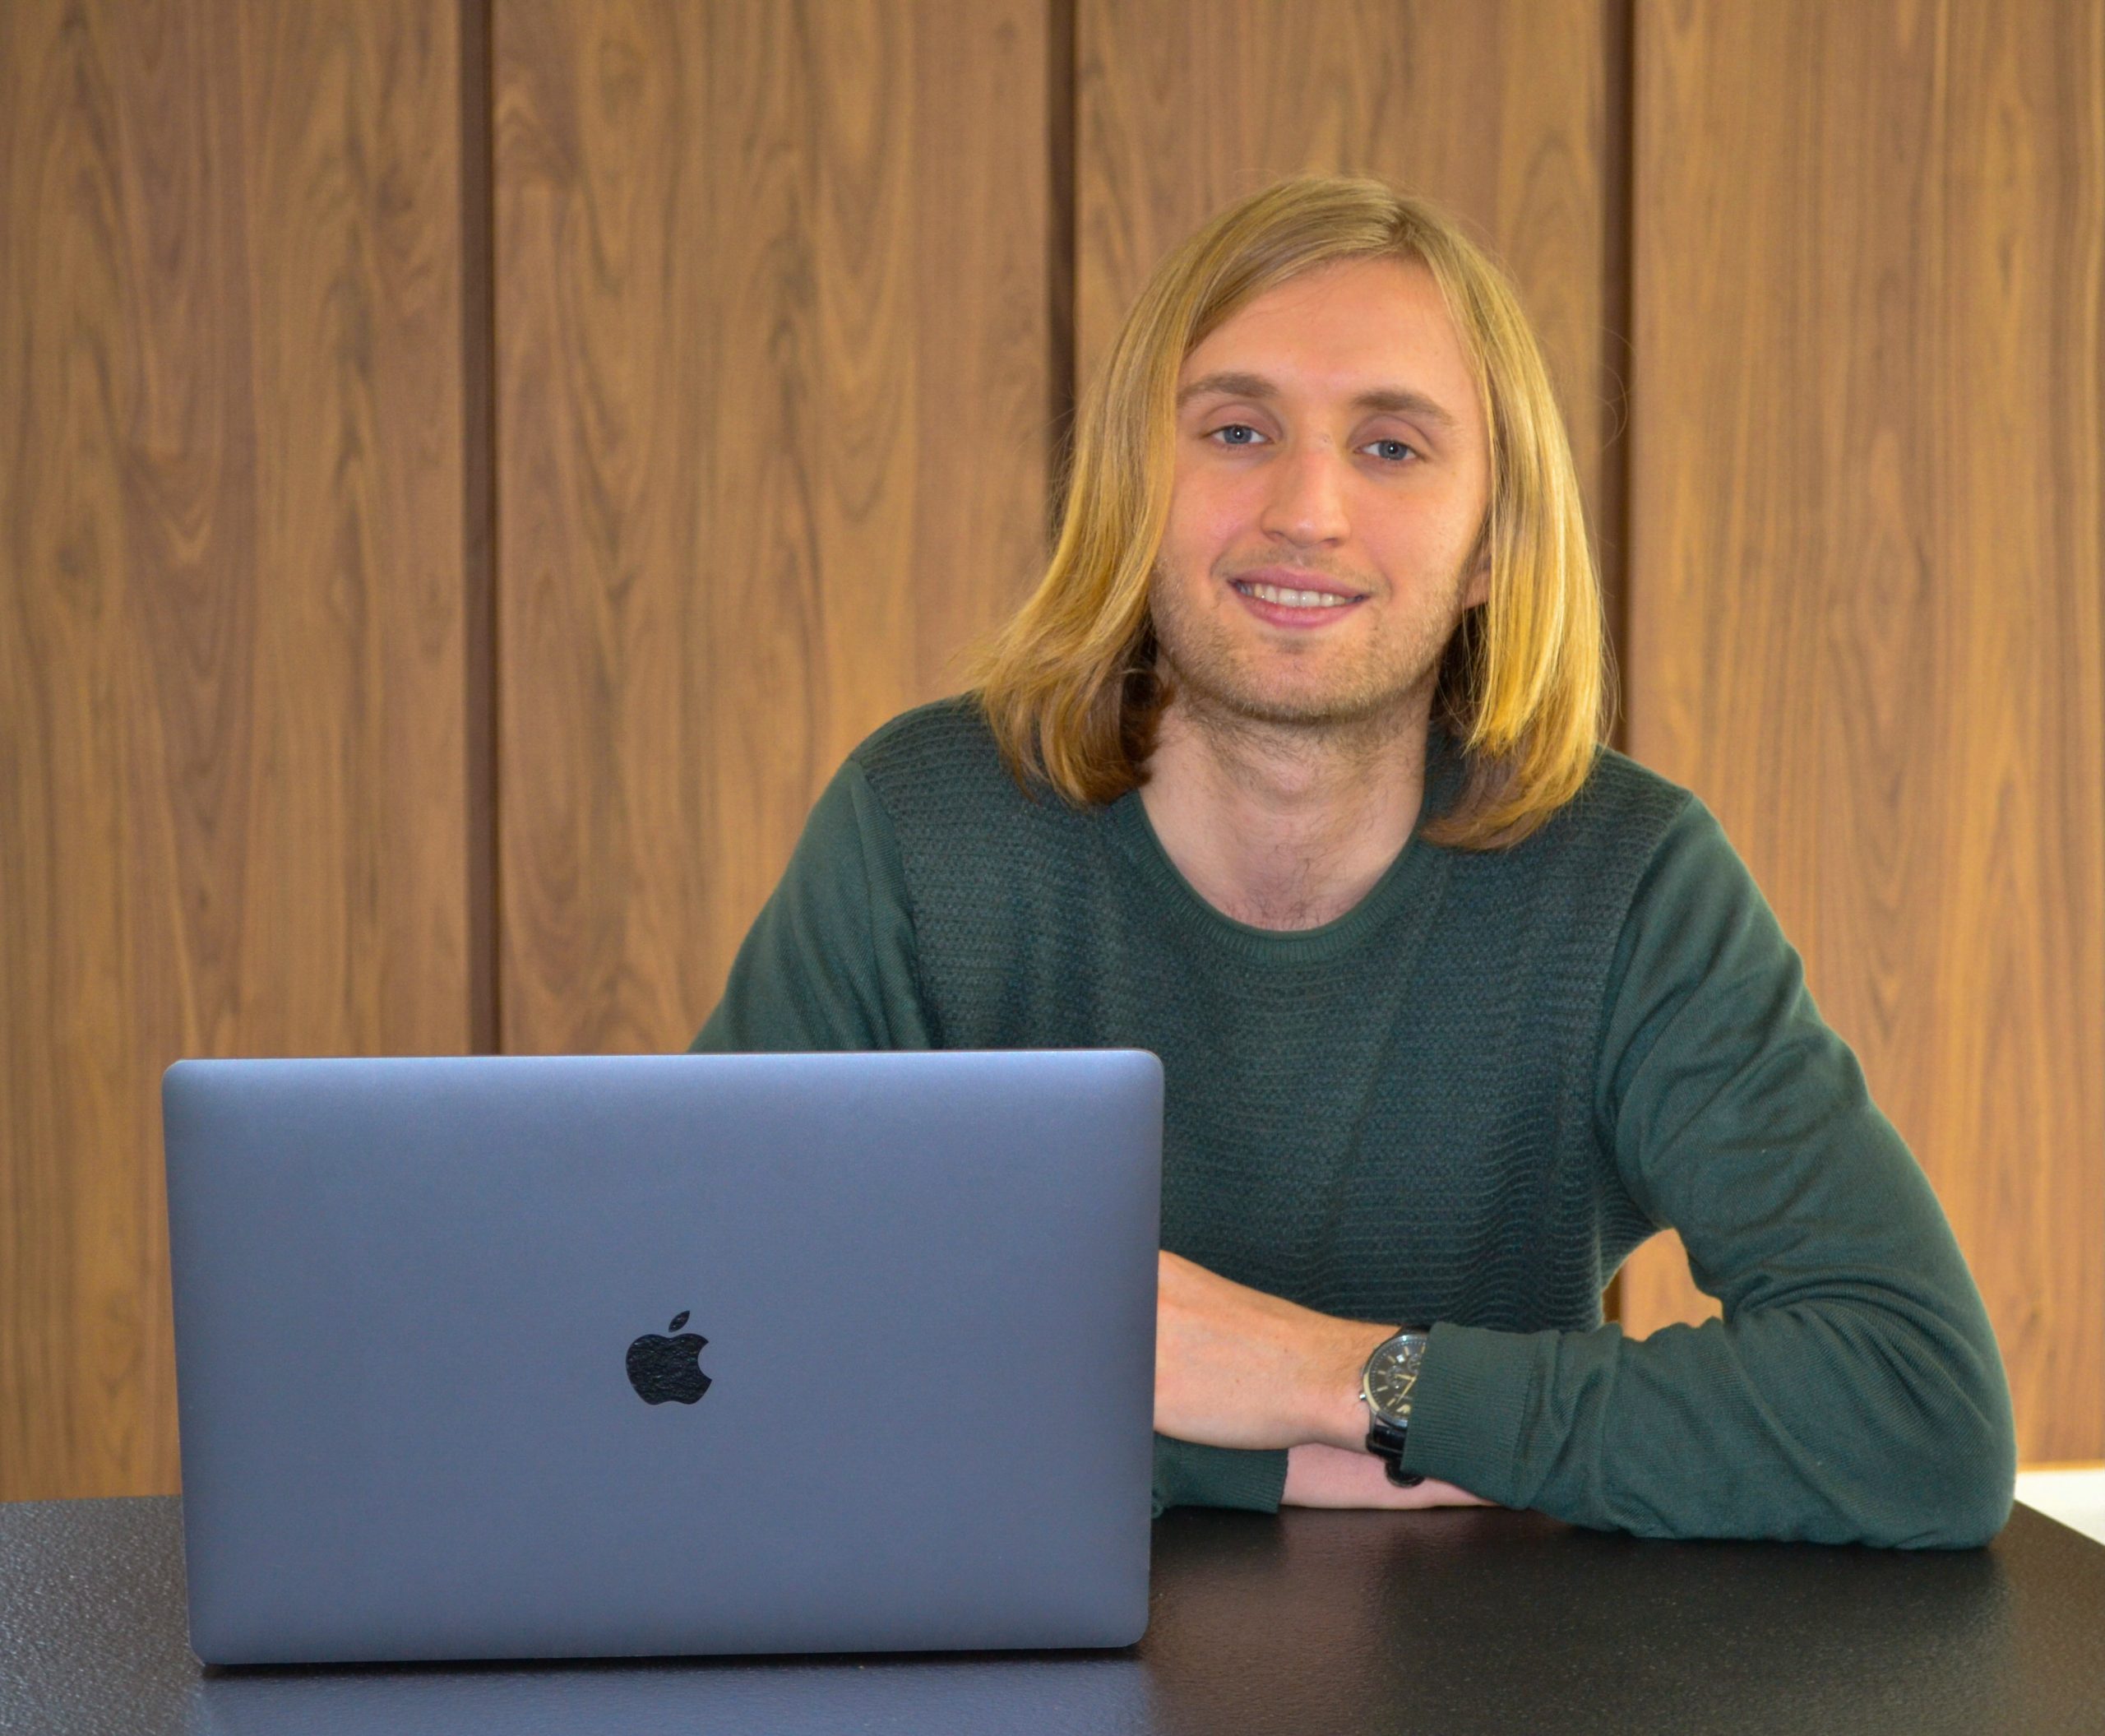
(829,963)
(1190,1474)
(1854,1391)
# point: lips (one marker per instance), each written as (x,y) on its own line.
(1293,600)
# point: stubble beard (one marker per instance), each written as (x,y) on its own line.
(1222,690)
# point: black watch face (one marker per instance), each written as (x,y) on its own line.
(1389,1381)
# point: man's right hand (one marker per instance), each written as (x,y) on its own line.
(1318,1474)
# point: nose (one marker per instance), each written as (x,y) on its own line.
(1306,504)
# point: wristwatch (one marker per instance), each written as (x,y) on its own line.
(1385,1383)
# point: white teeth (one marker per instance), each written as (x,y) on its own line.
(1293,598)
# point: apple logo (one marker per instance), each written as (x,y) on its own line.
(661,1368)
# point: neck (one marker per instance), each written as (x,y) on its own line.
(1285,825)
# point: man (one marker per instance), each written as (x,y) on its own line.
(1289,771)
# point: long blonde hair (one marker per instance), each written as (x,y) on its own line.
(1069,686)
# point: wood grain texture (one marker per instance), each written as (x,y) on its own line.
(773,354)
(231,782)
(1868,528)
(1507,112)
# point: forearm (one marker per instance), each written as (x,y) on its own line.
(1285,1382)
(1320,1476)
(1237,1367)
(1829,1424)
(1332,1467)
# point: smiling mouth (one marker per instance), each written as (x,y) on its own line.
(1282,598)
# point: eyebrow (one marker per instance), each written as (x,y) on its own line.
(1397,399)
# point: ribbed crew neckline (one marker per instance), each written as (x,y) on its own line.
(1405,879)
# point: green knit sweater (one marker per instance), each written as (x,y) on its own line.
(1462,1104)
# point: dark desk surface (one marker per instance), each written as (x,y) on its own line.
(1314,1623)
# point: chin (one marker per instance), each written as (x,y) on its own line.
(1247,685)
(1305,708)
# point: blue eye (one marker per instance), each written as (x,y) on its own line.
(1243,445)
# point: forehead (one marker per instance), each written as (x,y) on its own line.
(1332,333)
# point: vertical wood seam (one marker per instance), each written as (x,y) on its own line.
(1618,339)
(478,565)
(1060,256)
(1616,358)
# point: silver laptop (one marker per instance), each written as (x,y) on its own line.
(514,1356)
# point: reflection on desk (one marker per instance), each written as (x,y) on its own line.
(1448,1619)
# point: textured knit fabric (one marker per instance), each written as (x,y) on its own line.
(1461,1104)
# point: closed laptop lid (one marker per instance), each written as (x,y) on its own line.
(565,1356)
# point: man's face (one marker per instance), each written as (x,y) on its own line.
(1286,481)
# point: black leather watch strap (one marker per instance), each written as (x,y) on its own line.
(1388,1443)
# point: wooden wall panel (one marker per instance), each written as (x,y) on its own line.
(789,300)
(232,780)
(1868,527)
(776,395)
(1510,113)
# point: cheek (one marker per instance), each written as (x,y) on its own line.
(1210,516)
(1421,537)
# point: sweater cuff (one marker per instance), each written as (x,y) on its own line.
(1468,1408)
(1187,1474)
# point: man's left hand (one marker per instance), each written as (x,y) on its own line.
(1234,1367)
